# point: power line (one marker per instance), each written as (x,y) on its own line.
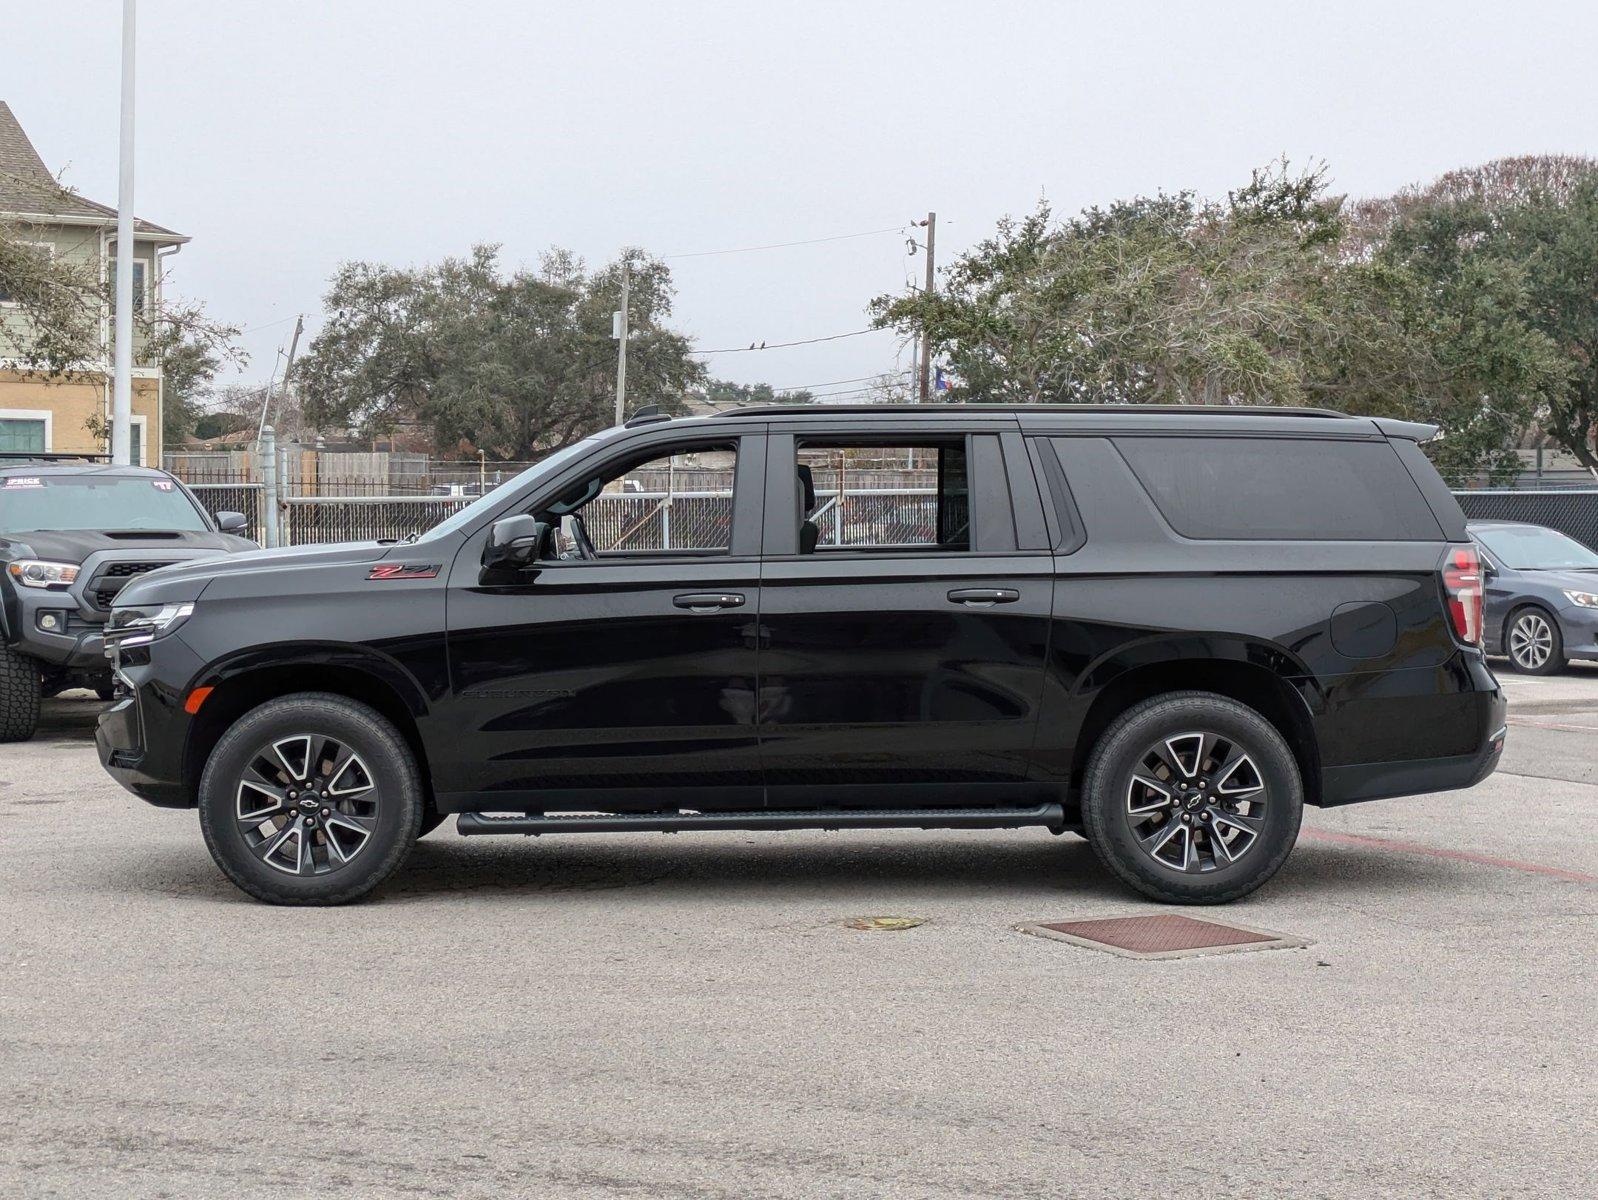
(805,387)
(779,345)
(266,325)
(842,237)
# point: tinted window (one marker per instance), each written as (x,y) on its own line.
(1280,488)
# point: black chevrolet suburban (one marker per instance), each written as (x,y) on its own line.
(73,532)
(1167,629)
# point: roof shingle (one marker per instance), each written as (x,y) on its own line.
(26,185)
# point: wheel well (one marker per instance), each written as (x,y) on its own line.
(1264,692)
(237,696)
(1503,634)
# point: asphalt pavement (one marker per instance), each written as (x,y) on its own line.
(689,1016)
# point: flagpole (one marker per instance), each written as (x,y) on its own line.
(122,378)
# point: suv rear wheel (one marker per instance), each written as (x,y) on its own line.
(310,799)
(19,695)
(1192,798)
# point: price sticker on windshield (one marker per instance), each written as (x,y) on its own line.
(162,485)
(19,482)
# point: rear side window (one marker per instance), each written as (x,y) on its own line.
(1281,489)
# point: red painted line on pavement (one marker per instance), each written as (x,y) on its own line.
(1486,860)
(1531,724)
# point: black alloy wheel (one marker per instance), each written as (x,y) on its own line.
(310,799)
(1192,798)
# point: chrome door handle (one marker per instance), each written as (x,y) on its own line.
(704,602)
(983,597)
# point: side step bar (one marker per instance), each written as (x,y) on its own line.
(1052,815)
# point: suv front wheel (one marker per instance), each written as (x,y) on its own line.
(310,799)
(1192,798)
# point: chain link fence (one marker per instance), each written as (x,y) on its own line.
(692,510)
(1572,512)
(243,498)
(308,520)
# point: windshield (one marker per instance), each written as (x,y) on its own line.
(105,503)
(1533,548)
(492,500)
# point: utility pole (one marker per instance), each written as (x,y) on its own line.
(122,368)
(931,224)
(619,330)
(294,344)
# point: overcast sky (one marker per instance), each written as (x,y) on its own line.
(288,135)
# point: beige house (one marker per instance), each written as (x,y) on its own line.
(61,415)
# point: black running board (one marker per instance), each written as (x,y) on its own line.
(1051,815)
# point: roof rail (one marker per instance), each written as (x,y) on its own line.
(649,414)
(1204,410)
(45,456)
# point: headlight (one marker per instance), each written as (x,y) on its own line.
(1584,599)
(132,626)
(33,572)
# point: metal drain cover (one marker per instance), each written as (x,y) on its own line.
(1165,936)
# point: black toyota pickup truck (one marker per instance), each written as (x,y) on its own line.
(72,534)
(1167,629)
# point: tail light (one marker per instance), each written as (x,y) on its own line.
(1462,586)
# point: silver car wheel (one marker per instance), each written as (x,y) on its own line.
(1531,641)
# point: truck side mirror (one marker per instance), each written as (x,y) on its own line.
(232,522)
(514,542)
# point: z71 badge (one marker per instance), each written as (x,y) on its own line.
(404,571)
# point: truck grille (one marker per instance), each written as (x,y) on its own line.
(113,577)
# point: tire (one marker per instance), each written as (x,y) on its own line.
(1533,642)
(1229,847)
(19,695)
(105,691)
(332,843)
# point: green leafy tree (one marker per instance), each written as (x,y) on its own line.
(516,364)
(1161,299)
(725,394)
(1279,295)
(1507,257)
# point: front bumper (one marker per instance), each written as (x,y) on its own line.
(1580,629)
(142,736)
(76,642)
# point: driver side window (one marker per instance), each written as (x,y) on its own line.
(674,503)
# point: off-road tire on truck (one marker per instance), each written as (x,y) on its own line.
(311,798)
(19,696)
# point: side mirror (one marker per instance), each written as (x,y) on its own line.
(232,522)
(1488,571)
(513,542)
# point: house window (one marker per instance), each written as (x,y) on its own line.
(139,280)
(136,442)
(24,434)
(43,249)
